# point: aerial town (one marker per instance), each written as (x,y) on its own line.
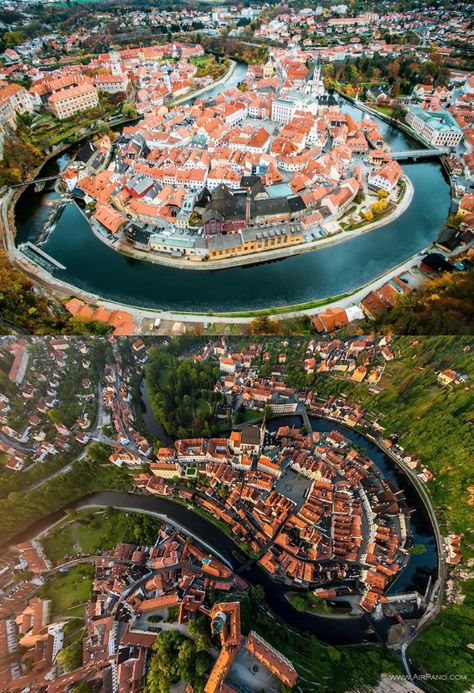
(207,150)
(249,172)
(236,338)
(317,520)
(133,588)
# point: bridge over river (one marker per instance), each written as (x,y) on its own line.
(415,154)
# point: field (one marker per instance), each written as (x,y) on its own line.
(248,415)
(68,592)
(384,109)
(201,60)
(86,532)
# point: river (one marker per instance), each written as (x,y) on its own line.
(93,266)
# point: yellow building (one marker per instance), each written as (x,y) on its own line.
(166,470)
(254,240)
(67,102)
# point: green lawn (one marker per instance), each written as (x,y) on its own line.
(89,530)
(202,408)
(59,544)
(69,591)
(248,415)
(201,60)
(309,603)
(383,109)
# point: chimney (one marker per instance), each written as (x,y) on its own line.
(247,208)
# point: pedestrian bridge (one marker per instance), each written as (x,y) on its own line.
(419,153)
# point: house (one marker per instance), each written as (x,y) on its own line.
(447,377)
(14,99)
(386,177)
(382,299)
(112,84)
(250,440)
(466,205)
(67,102)
(379,94)
(109,218)
(330,319)
(421,91)
(434,263)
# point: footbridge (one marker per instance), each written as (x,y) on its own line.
(35,181)
(302,411)
(415,154)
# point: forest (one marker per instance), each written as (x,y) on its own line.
(434,423)
(441,306)
(20,156)
(400,73)
(181,394)
(26,310)
(21,509)
(445,646)
(175,657)
(431,421)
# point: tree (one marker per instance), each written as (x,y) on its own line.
(128,109)
(13,38)
(70,657)
(257,592)
(203,663)
(263,325)
(186,660)
(441,306)
(379,207)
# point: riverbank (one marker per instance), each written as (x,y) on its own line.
(189,97)
(262,256)
(161,516)
(10,198)
(437,588)
(63,291)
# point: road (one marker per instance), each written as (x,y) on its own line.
(94,435)
(21,447)
(406,666)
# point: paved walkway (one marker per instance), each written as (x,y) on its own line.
(352,300)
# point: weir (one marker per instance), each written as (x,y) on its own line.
(34,248)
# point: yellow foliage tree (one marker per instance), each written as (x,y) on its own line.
(378,207)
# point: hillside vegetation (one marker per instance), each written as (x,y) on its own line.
(440,306)
(181,393)
(24,309)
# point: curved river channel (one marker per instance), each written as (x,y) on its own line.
(338,630)
(341,268)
